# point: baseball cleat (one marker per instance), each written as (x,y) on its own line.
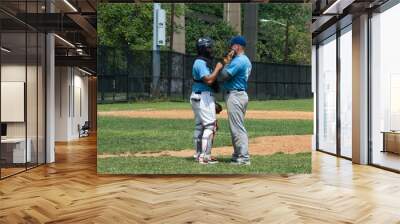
(211,160)
(196,156)
(240,162)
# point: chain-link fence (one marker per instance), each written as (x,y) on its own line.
(125,75)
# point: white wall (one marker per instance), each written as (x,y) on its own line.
(14,73)
(80,112)
(71,102)
(13,100)
(62,82)
(314,91)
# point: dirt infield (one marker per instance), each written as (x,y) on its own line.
(188,114)
(266,145)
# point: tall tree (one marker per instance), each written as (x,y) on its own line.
(125,24)
(207,20)
(272,35)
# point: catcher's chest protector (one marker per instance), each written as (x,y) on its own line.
(214,86)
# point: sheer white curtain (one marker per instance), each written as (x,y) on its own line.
(327,95)
(346,92)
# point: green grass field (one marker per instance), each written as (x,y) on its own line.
(278,163)
(285,105)
(117,134)
(120,134)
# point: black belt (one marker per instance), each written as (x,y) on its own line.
(238,90)
(199,92)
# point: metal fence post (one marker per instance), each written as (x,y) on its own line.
(114,84)
(170,55)
(183,76)
(127,73)
(256,79)
(102,81)
(150,75)
(100,88)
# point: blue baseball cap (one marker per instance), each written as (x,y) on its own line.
(238,40)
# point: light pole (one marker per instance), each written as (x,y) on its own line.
(286,34)
(156,52)
(272,21)
(171,37)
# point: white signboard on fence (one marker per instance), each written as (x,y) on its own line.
(161,27)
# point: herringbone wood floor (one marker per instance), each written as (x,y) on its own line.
(70,191)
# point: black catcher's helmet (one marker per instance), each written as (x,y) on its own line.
(204,47)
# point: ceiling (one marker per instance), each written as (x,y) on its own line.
(74,22)
(328,15)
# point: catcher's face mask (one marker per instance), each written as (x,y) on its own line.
(209,52)
(206,52)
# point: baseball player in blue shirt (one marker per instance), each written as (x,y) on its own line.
(235,75)
(202,100)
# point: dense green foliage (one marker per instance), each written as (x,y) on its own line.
(120,25)
(121,134)
(220,32)
(130,25)
(272,36)
(278,163)
(196,27)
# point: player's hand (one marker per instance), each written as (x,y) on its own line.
(228,57)
(219,66)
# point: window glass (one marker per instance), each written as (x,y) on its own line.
(346,92)
(385,89)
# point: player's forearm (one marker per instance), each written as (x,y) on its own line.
(213,76)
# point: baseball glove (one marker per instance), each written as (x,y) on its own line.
(218,108)
(227,58)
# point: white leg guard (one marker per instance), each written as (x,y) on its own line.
(207,140)
(197,138)
(204,110)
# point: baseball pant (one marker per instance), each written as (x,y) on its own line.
(236,103)
(203,106)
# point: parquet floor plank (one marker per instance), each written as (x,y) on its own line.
(70,191)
